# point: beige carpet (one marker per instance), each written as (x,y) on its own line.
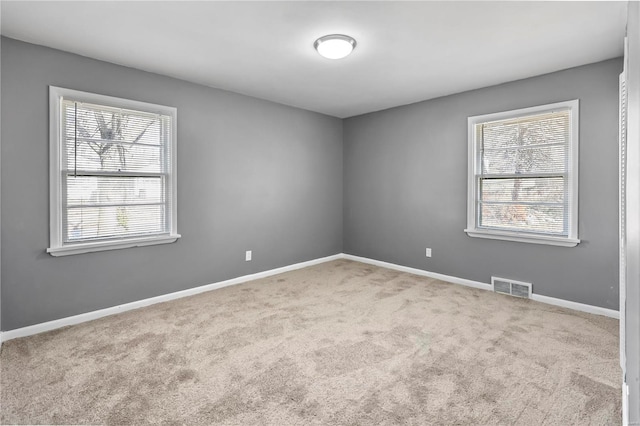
(341,343)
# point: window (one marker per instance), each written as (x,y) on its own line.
(523,175)
(112,173)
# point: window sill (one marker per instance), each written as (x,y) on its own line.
(110,245)
(523,238)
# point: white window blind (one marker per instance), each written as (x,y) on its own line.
(523,174)
(115,183)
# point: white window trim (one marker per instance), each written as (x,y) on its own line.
(57,247)
(526,237)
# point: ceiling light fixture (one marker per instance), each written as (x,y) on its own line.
(335,46)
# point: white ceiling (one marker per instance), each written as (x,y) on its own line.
(406,52)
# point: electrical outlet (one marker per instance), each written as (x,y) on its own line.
(247,256)
(428,252)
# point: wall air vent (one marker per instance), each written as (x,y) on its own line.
(511,287)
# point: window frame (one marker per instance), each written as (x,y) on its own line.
(57,246)
(474,158)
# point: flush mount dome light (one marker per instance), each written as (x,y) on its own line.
(335,46)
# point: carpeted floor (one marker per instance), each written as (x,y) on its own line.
(341,343)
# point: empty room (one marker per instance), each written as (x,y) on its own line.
(320,213)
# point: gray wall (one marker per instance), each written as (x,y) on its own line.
(405,188)
(255,175)
(252,175)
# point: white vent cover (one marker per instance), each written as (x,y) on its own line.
(511,287)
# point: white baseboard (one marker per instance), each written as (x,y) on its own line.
(476,284)
(415,271)
(576,306)
(77,319)
(88,316)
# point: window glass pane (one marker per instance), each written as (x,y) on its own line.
(552,127)
(92,190)
(519,217)
(113,140)
(88,223)
(545,159)
(103,122)
(113,157)
(540,190)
